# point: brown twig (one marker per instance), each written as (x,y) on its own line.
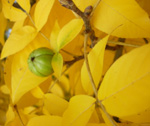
(89,33)
(84,15)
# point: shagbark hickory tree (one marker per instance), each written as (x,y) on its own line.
(75,62)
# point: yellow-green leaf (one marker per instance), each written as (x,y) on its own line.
(95,59)
(45,121)
(25,4)
(12,13)
(54,104)
(79,111)
(18,40)
(134,21)
(54,35)
(125,88)
(21,76)
(69,32)
(41,13)
(57,64)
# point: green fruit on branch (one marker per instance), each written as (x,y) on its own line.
(39,62)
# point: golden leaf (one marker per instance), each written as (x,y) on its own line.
(18,40)
(125,88)
(95,59)
(41,13)
(54,104)
(79,111)
(134,21)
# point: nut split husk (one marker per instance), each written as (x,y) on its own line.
(39,62)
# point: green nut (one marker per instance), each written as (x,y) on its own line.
(39,62)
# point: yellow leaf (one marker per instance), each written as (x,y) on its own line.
(69,32)
(134,21)
(7,72)
(83,4)
(12,13)
(125,88)
(18,40)
(96,124)
(54,104)
(25,4)
(75,78)
(57,90)
(21,75)
(109,122)
(145,5)
(54,35)
(142,117)
(4,89)
(95,59)
(13,119)
(79,111)
(10,115)
(2,27)
(27,100)
(57,64)
(17,25)
(41,13)
(37,92)
(45,121)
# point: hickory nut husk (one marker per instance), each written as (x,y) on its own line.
(39,62)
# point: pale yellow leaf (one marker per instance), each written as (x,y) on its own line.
(18,40)
(41,13)
(69,32)
(25,4)
(12,13)
(79,111)
(54,35)
(54,104)
(95,59)
(125,88)
(37,92)
(45,121)
(21,76)
(134,21)
(57,64)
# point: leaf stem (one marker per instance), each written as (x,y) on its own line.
(88,67)
(21,121)
(106,113)
(35,26)
(123,44)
